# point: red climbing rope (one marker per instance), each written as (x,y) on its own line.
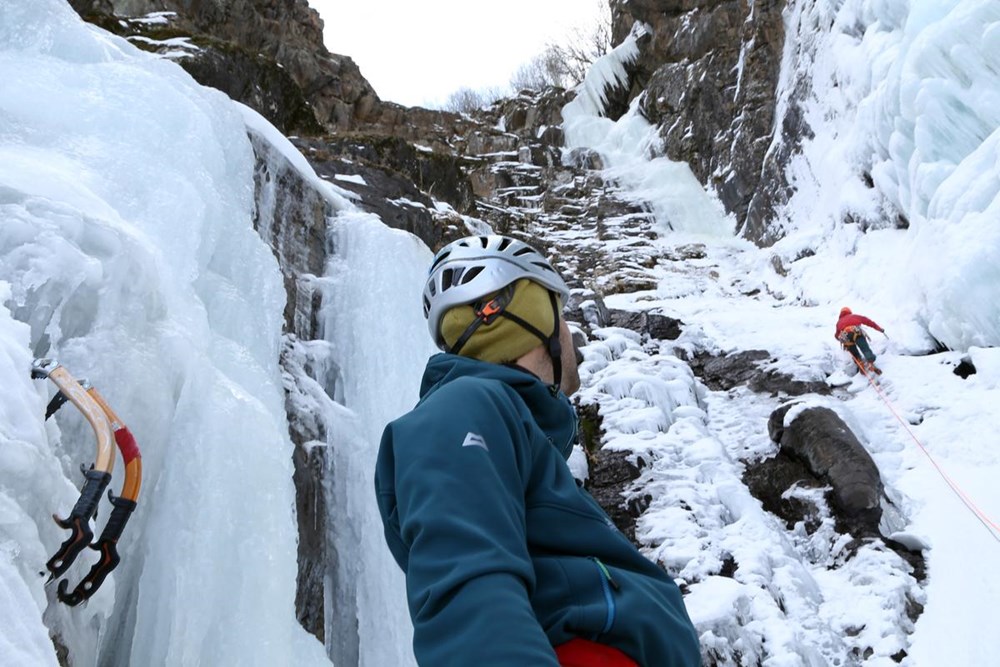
(966,500)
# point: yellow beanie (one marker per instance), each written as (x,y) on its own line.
(503,340)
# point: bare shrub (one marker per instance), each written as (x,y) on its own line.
(532,75)
(563,64)
(568,61)
(467,100)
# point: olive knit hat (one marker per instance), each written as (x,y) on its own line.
(503,340)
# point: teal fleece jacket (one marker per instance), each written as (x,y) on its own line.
(505,554)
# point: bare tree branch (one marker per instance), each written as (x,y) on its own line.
(466,100)
(563,64)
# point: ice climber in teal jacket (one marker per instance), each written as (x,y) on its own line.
(508,561)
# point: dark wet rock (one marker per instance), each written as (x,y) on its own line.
(381,187)
(818,451)
(291,217)
(774,383)
(965,368)
(915,559)
(285,34)
(92,7)
(654,325)
(610,472)
(821,440)
(255,81)
(308,434)
(309,470)
(769,480)
(723,372)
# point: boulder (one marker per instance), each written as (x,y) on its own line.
(833,456)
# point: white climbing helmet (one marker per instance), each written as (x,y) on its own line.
(468,269)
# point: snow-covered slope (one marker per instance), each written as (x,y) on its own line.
(907,132)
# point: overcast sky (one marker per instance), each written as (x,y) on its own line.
(418,53)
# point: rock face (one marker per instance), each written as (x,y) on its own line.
(268,54)
(609,473)
(708,78)
(394,180)
(292,218)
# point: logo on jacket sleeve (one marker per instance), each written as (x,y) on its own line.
(474,440)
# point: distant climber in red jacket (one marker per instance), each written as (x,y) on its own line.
(853,338)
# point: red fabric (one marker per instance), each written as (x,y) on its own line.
(582,653)
(854,320)
(126,444)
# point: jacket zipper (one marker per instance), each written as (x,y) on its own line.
(572,436)
(607,583)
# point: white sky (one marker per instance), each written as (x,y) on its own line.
(418,53)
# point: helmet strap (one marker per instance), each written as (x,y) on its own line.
(555,347)
(486,313)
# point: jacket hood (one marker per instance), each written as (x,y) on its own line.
(555,415)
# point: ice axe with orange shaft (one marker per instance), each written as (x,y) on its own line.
(107,426)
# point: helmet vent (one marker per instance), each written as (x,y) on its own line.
(471,274)
(504,243)
(437,260)
(451,278)
(523,251)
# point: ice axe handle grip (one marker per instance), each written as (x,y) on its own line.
(107,547)
(78,522)
(86,506)
(123,509)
